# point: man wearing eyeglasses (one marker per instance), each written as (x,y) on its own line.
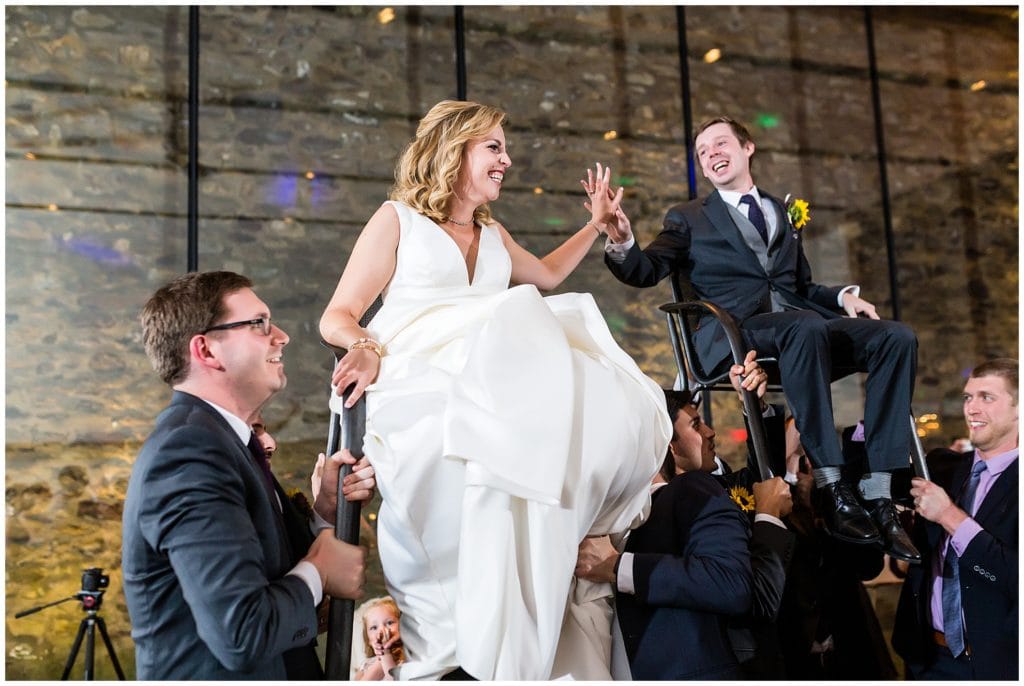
(219,582)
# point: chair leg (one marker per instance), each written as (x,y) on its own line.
(917,452)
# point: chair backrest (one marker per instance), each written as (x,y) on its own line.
(681,327)
(371,311)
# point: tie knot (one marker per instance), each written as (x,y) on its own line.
(748,199)
(978,468)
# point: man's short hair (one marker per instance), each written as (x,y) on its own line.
(675,401)
(1006,367)
(737,128)
(178,311)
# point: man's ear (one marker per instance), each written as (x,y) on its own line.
(675,453)
(201,352)
(749,148)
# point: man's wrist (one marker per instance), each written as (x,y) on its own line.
(775,519)
(951,518)
(313,578)
(853,289)
(320,522)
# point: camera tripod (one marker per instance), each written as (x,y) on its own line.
(91,601)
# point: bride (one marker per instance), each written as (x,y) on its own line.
(503,426)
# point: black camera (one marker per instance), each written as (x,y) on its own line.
(93,579)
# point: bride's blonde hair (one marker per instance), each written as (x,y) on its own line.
(428,168)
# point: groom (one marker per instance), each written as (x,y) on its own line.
(738,249)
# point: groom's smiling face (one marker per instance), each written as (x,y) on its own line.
(724,161)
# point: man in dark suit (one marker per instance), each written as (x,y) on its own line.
(754,635)
(957,617)
(738,249)
(685,571)
(222,576)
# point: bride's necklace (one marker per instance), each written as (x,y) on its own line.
(458,223)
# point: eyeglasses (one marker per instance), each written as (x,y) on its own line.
(263,323)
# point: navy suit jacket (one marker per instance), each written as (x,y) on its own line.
(205,555)
(701,242)
(988,583)
(755,636)
(691,572)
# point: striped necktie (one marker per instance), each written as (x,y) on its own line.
(952,611)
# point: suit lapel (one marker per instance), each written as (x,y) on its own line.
(245,457)
(783,228)
(248,463)
(717,214)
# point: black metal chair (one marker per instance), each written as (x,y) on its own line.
(346,430)
(694,378)
(682,318)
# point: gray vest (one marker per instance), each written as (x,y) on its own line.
(753,240)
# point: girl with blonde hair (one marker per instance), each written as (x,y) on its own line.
(382,640)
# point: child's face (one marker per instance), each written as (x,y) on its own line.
(381,622)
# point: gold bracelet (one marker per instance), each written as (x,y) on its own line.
(367,344)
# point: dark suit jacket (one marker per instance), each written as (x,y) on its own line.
(205,555)
(702,243)
(825,596)
(754,636)
(691,571)
(988,583)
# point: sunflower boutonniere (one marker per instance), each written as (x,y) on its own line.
(798,211)
(742,497)
(300,501)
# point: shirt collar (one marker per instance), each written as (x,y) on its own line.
(733,197)
(998,464)
(238,425)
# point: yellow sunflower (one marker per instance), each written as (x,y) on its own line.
(300,501)
(799,213)
(742,497)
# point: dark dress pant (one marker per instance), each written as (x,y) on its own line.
(813,351)
(941,666)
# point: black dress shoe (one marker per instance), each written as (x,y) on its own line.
(843,514)
(895,541)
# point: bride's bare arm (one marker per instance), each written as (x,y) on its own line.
(549,271)
(369,268)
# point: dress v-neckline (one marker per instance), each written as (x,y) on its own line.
(478,237)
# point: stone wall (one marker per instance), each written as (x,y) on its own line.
(303,111)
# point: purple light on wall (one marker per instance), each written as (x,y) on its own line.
(101,254)
(284,190)
(318,192)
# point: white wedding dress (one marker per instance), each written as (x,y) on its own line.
(503,428)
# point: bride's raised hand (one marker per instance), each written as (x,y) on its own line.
(359,367)
(602,201)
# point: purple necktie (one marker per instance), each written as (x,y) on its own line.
(259,456)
